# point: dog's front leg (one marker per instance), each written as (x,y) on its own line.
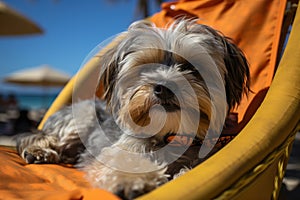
(126,169)
(37,147)
(42,147)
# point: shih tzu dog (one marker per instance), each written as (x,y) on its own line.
(167,92)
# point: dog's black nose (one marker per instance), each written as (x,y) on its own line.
(163,92)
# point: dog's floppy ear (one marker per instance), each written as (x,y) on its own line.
(109,67)
(237,74)
(237,78)
(112,56)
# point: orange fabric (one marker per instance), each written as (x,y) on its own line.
(179,140)
(19,180)
(253,25)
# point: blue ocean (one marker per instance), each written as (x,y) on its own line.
(35,101)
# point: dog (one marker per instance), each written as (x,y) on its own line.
(167,90)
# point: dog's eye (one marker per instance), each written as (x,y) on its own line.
(188,67)
(184,68)
(191,70)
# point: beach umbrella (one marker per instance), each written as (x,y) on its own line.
(14,23)
(44,75)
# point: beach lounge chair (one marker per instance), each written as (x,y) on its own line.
(249,167)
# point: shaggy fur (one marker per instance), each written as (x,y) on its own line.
(180,80)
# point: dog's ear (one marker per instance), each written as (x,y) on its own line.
(113,54)
(109,67)
(237,75)
(237,78)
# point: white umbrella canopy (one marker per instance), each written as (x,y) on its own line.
(14,23)
(38,76)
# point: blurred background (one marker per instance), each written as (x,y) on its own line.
(44,42)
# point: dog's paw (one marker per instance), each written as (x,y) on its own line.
(38,155)
(127,185)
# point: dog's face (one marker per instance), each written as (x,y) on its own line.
(157,81)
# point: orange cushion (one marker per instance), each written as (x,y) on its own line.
(47,181)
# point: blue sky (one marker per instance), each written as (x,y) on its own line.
(72,28)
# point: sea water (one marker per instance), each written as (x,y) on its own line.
(35,101)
